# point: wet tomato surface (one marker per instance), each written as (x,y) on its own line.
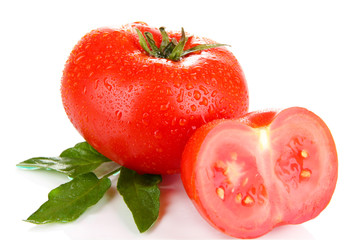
(140,110)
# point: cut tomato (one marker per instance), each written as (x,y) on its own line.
(263,170)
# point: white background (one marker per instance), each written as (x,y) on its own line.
(293,53)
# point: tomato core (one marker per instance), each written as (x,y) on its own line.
(234,181)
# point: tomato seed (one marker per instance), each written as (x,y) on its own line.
(221,193)
(305,173)
(248,201)
(304,154)
(238,198)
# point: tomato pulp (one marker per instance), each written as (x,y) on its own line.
(263,170)
(139,110)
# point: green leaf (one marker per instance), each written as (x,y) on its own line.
(202,47)
(142,42)
(165,39)
(80,159)
(152,43)
(141,195)
(178,49)
(68,201)
(170,48)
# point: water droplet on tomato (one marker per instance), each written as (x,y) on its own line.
(157,134)
(107,85)
(177,84)
(129,89)
(182,122)
(211,109)
(203,119)
(214,82)
(84,90)
(169,91)
(164,107)
(204,102)
(204,89)
(145,119)
(193,107)
(96,83)
(79,57)
(189,86)
(118,114)
(197,95)
(174,131)
(180,96)
(174,121)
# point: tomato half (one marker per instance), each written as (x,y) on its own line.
(139,110)
(263,170)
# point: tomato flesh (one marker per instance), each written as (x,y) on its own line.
(249,175)
(305,161)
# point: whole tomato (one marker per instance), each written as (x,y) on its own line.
(137,93)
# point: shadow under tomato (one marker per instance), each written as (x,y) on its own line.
(289,231)
(169,186)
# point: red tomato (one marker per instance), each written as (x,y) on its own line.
(266,169)
(139,110)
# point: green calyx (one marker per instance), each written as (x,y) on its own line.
(170,48)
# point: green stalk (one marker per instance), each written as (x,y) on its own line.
(170,48)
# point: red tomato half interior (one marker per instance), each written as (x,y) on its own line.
(248,179)
(304,158)
(229,182)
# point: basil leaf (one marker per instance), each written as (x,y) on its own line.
(141,195)
(68,201)
(82,158)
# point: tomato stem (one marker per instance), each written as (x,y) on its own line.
(170,48)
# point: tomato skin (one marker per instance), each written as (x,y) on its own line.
(295,161)
(139,110)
